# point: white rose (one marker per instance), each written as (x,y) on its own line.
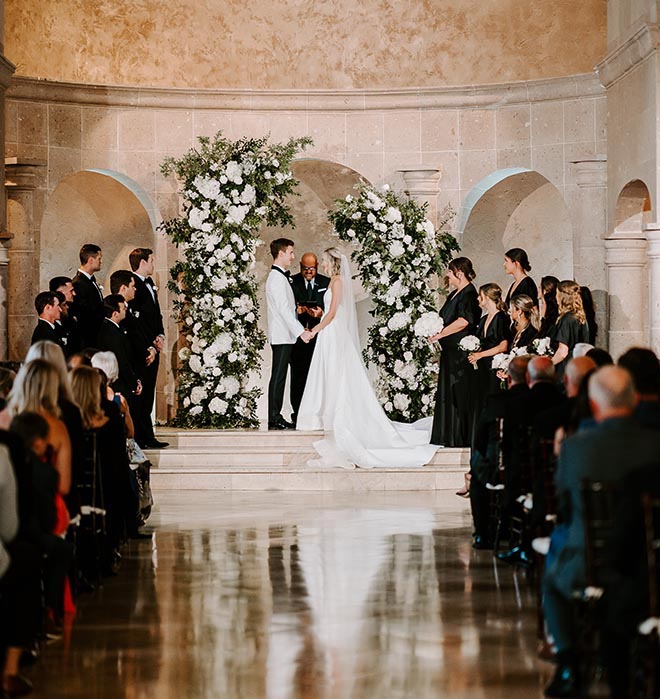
(392,215)
(196,410)
(401,402)
(195,364)
(396,248)
(388,407)
(198,394)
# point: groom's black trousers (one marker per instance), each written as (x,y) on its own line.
(281,359)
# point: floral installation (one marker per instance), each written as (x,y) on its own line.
(229,189)
(397,252)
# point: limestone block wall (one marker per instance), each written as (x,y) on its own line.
(469,134)
(337,44)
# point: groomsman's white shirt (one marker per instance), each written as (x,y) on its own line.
(283,326)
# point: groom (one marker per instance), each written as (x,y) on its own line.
(309,288)
(283,328)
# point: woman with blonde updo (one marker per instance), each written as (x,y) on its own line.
(338,396)
(571,326)
(526,321)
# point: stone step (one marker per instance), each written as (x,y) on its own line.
(223,438)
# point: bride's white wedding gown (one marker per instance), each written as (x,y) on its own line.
(340,400)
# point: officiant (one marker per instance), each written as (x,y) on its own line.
(309,287)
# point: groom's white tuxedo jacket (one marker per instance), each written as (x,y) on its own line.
(283,326)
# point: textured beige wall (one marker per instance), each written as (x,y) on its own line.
(304,44)
(624,17)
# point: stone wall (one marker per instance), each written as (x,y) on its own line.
(292,44)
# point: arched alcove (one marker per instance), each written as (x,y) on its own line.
(94,206)
(633,210)
(516,207)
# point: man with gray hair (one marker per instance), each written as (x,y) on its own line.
(616,446)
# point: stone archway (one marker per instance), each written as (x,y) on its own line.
(627,276)
(321,183)
(516,207)
(94,206)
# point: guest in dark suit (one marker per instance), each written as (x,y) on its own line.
(112,338)
(309,288)
(644,366)
(616,446)
(69,324)
(146,309)
(48,309)
(88,303)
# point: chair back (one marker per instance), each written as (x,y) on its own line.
(599,505)
(651,507)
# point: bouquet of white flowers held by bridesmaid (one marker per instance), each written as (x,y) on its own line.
(542,347)
(429,324)
(470,344)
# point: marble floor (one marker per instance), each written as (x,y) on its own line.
(302,595)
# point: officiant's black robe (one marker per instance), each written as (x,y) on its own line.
(301,355)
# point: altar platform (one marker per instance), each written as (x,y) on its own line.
(278,460)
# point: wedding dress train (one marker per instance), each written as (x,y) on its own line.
(340,400)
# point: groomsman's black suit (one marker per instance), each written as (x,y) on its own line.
(301,355)
(88,307)
(69,330)
(148,326)
(45,331)
(112,338)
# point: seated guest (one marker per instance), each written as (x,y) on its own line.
(543,391)
(7,377)
(600,356)
(70,413)
(51,521)
(48,309)
(107,363)
(78,359)
(644,366)
(618,445)
(69,323)
(8,507)
(509,405)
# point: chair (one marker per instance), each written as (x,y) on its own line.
(496,487)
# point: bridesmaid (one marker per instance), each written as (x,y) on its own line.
(548,304)
(452,420)
(516,263)
(571,326)
(526,321)
(493,331)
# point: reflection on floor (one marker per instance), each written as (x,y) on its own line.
(307,595)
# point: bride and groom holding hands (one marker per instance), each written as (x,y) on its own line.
(330,390)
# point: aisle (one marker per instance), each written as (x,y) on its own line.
(321,596)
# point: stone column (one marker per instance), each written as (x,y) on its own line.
(653,240)
(23,254)
(627,284)
(589,216)
(423,185)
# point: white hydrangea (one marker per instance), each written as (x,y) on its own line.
(401,402)
(233,172)
(218,406)
(392,215)
(207,187)
(399,321)
(236,215)
(396,248)
(229,385)
(196,410)
(196,217)
(198,394)
(248,194)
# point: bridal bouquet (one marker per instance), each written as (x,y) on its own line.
(501,362)
(230,189)
(542,347)
(469,344)
(428,324)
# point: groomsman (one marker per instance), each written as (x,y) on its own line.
(309,288)
(69,325)
(47,306)
(283,328)
(112,338)
(146,309)
(88,304)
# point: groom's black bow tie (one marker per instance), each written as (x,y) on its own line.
(287,274)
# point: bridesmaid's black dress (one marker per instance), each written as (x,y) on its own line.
(452,420)
(569,332)
(526,337)
(487,381)
(527,287)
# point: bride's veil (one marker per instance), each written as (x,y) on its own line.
(348,302)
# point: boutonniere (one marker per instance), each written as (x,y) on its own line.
(154,287)
(136,314)
(64,340)
(100,286)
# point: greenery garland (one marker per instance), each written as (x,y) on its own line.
(229,190)
(398,250)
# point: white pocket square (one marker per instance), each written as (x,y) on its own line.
(325,288)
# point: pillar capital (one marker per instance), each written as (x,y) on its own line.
(652,232)
(625,252)
(21,174)
(421,181)
(591,172)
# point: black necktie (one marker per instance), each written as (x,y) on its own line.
(149,281)
(310,291)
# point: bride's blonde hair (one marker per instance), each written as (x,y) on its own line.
(331,260)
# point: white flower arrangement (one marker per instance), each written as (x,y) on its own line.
(428,324)
(397,251)
(230,189)
(470,343)
(542,347)
(501,361)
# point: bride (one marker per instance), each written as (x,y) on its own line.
(339,398)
